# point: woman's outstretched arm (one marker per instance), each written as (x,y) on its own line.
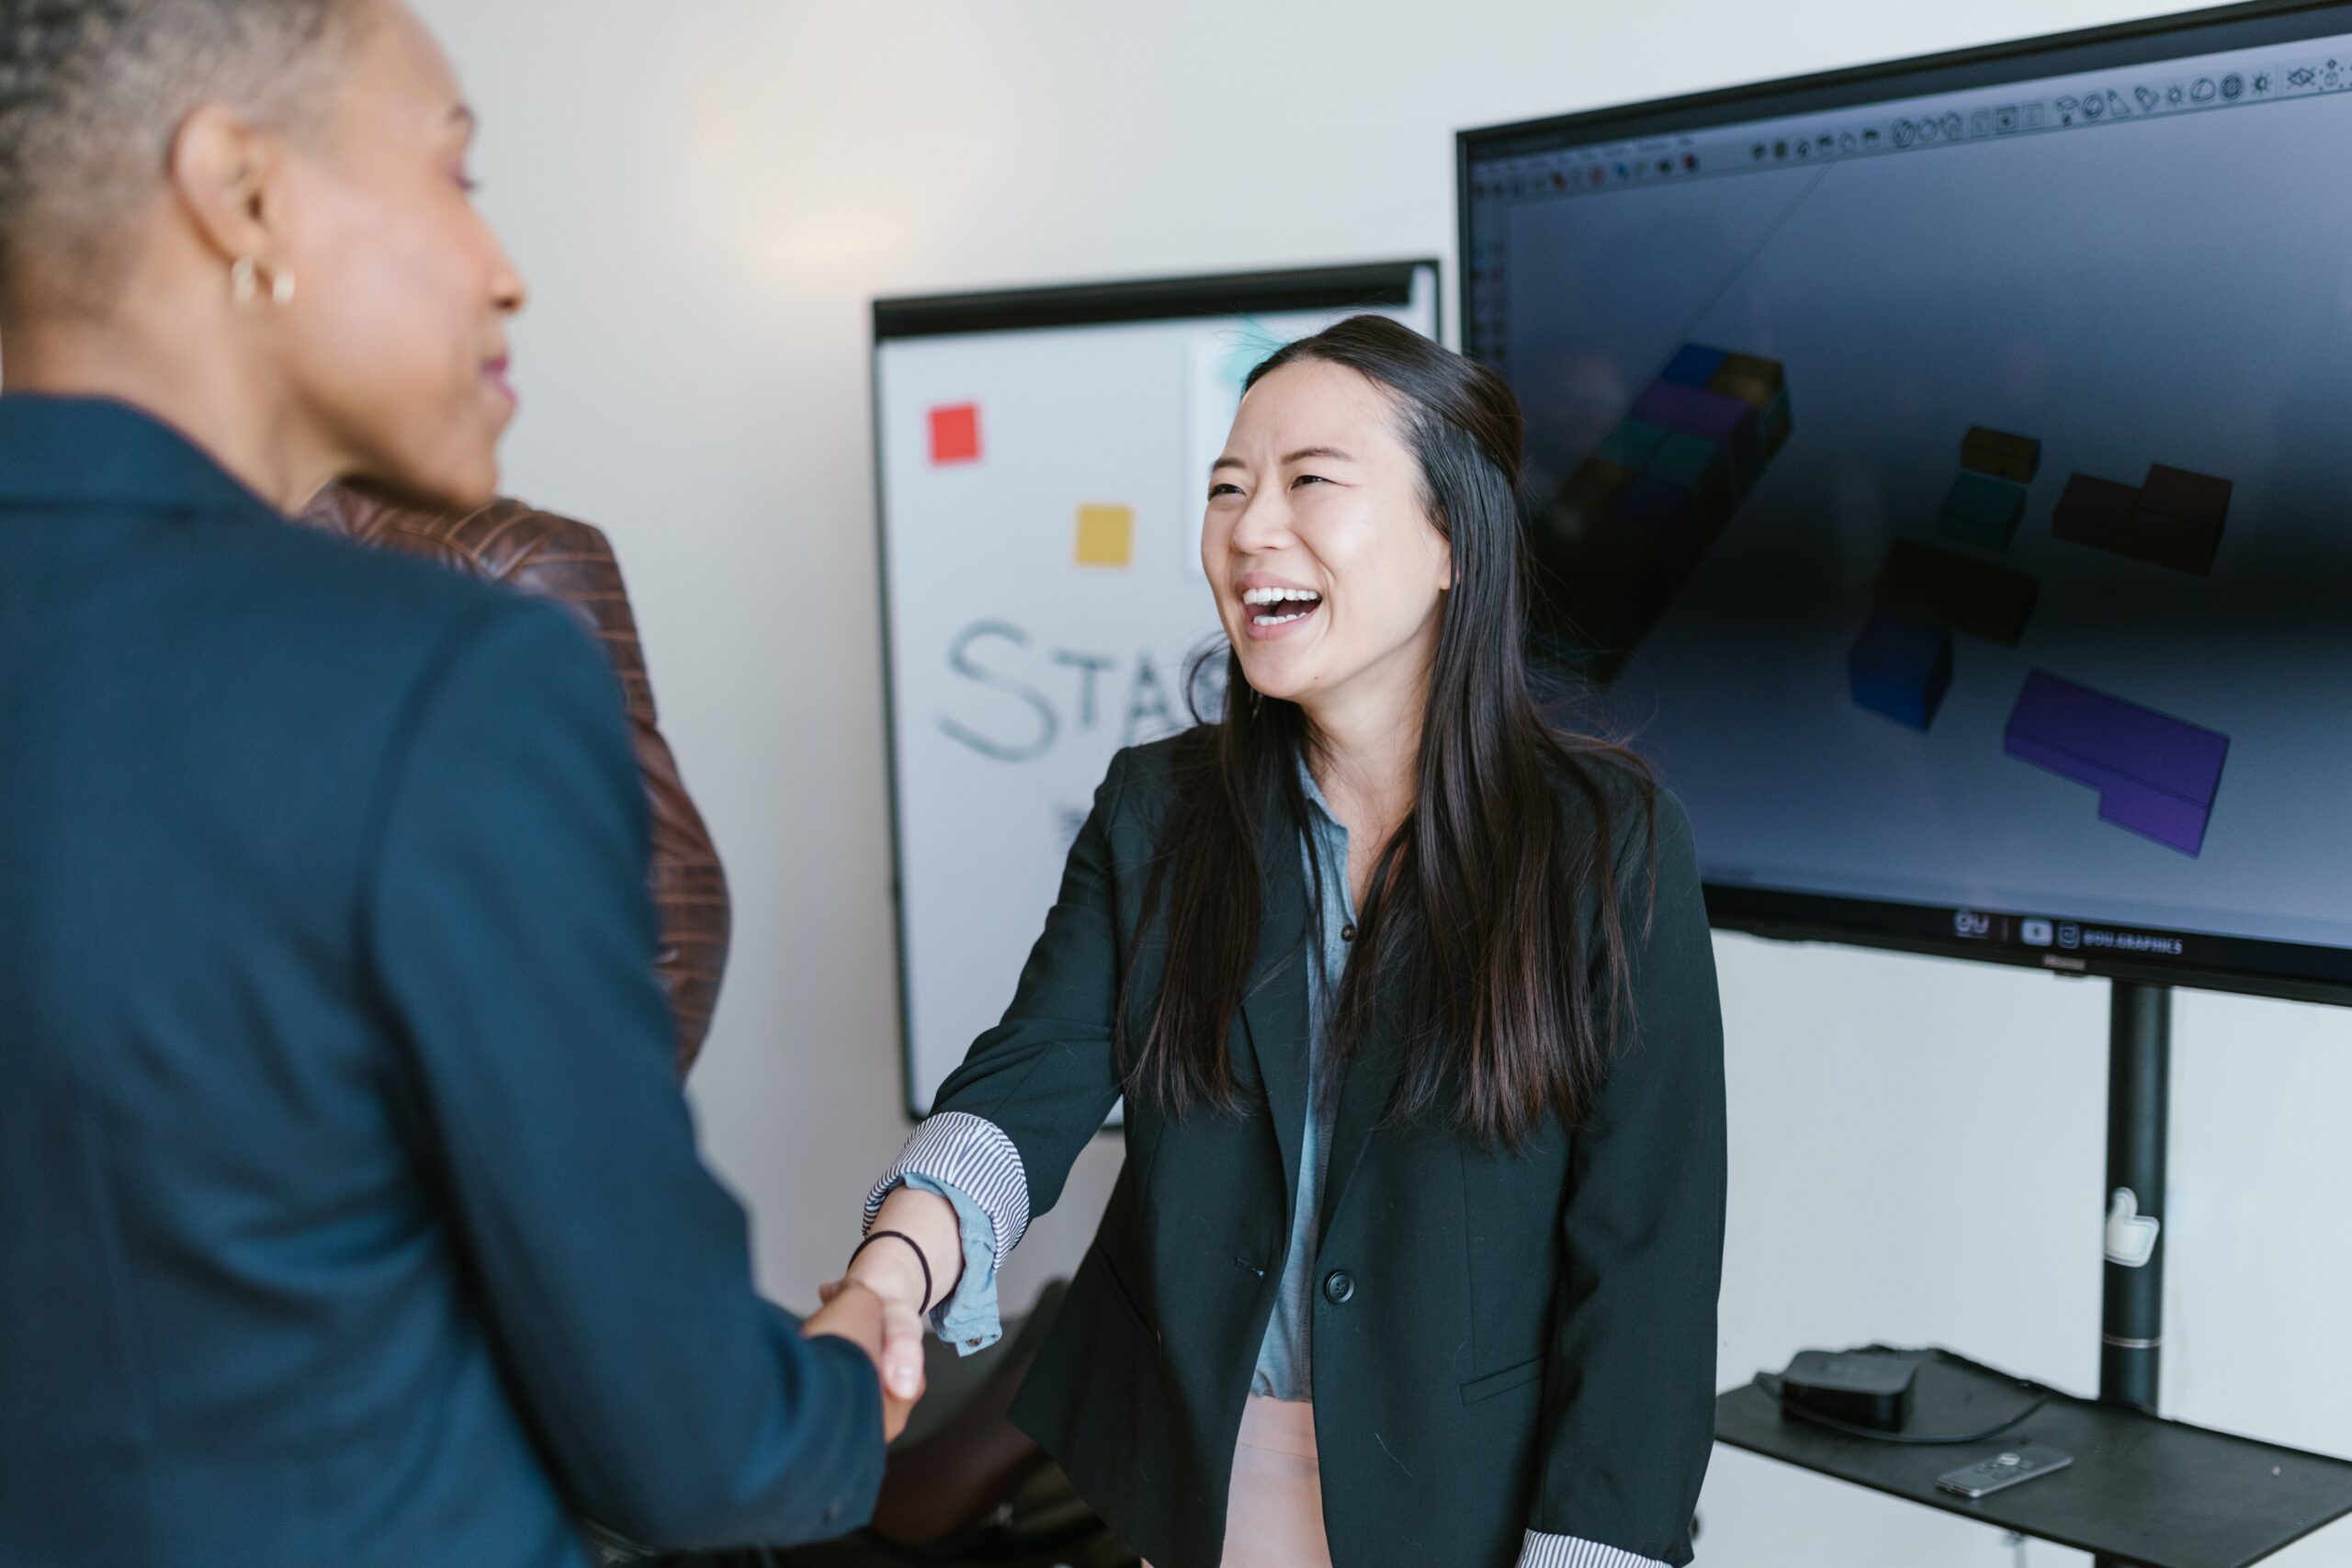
(1010,1122)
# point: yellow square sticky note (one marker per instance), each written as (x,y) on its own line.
(1106,536)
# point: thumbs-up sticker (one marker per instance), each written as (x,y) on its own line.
(2131,1234)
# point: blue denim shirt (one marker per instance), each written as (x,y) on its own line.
(1286,1359)
(968,1317)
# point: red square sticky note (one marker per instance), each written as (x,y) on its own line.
(956,433)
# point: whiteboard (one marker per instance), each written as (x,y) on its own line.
(1042,470)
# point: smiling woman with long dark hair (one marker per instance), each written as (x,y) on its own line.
(1415,1256)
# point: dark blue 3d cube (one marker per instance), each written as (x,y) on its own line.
(1901,667)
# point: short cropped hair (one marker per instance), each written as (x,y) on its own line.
(92,92)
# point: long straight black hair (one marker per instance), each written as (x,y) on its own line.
(1474,904)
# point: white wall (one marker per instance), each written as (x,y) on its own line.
(706,192)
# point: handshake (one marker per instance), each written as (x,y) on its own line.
(910,1261)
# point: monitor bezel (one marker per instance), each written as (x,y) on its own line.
(1335,287)
(1788,915)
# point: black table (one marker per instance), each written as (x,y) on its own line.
(2141,1489)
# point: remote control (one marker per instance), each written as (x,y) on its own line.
(2005,1468)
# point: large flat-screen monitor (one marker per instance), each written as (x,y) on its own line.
(1945,471)
(1042,464)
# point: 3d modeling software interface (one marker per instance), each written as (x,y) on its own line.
(1946,490)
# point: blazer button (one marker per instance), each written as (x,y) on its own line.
(1338,1286)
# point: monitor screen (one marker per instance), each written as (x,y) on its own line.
(1942,470)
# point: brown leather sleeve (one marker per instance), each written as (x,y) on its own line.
(571,564)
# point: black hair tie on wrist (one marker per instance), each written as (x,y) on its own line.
(924,1263)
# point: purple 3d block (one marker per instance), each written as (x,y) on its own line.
(1726,420)
(2155,774)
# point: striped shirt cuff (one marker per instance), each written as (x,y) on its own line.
(1542,1551)
(972,1154)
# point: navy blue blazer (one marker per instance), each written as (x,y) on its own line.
(349,1211)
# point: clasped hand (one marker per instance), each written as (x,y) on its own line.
(878,1305)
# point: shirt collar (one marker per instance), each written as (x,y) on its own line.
(99,450)
(1315,794)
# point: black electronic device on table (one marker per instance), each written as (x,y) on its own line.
(1934,464)
(1863,1388)
(2010,1467)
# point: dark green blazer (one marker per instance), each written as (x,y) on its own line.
(1502,1341)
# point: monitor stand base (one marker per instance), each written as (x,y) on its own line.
(2143,1491)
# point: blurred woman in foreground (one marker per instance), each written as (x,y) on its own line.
(350,1209)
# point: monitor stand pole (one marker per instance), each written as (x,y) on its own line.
(2138,1082)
